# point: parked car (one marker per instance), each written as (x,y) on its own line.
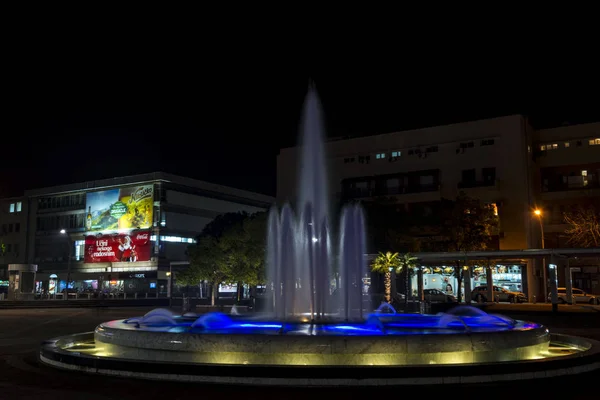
(437,296)
(480,294)
(579,296)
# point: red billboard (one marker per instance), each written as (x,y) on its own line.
(117,248)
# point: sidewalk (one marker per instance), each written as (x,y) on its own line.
(539,308)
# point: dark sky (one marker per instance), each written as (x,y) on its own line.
(223,117)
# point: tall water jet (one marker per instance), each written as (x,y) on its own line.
(299,251)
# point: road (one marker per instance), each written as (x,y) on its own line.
(21,377)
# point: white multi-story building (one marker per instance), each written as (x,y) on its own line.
(500,160)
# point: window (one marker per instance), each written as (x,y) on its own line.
(431,149)
(487,142)
(11,208)
(552,146)
(595,142)
(396,153)
(18,206)
(494,208)
(349,160)
(380,156)
(489,175)
(426,180)
(17,227)
(468,175)
(583,172)
(466,145)
(567,144)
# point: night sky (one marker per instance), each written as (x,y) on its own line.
(224,121)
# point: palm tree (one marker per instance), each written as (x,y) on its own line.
(407,262)
(385,263)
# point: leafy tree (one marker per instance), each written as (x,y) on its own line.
(385,263)
(470,225)
(584,226)
(208,262)
(230,249)
(245,246)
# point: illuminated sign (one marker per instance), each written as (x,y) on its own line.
(117,248)
(124,208)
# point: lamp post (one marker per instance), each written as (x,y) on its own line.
(69,243)
(539,215)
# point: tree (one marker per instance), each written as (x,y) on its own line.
(245,247)
(208,262)
(584,226)
(230,249)
(406,263)
(385,263)
(470,225)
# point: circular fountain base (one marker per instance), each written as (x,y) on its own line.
(460,346)
(567,355)
(299,346)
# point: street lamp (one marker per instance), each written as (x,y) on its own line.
(64,232)
(540,216)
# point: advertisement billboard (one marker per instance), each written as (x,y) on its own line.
(124,208)
(118,248)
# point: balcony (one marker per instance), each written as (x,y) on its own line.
(408,194)
(477,184)
(571,184)
(573,188)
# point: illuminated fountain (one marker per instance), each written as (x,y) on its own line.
(313,324)
(300,254)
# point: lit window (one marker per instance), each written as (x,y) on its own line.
(494,208)
(567,144)
(396,153)
(380,156)
(554,146)
(543,147)
(594,142)
(11,208)
(583,172)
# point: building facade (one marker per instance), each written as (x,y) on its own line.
(501,161)
(567,161)
(116,235)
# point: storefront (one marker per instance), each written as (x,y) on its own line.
(152,282)
(510,277)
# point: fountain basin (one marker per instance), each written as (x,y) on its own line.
(567,355)
(307,344)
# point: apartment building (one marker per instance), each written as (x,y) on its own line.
(503,161)
(567,161)
(120,235)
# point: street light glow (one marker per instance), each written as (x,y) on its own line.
(538,212)
(63,231)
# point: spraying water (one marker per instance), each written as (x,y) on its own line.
(301,263)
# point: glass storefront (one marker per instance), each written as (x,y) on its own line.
(443,278)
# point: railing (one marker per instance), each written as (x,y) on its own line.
(562,187)
(476,184)
(106,296)
(353,193)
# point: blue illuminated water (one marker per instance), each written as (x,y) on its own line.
(463,319)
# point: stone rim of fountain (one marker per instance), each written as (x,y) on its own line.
(291,375)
